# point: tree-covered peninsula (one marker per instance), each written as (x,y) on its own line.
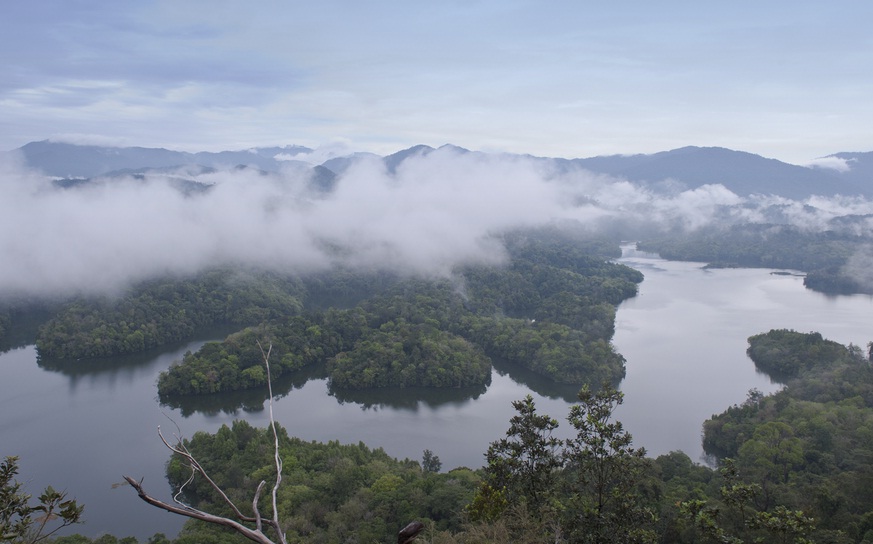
(551,309)
(810,445)
(401,354)
(158,312)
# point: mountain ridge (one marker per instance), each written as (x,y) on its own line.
(85,161)
(687,167)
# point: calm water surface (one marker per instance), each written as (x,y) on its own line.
(684,338)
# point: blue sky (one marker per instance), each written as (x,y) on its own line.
(787,80)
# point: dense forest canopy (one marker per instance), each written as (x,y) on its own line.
(550,307)
(163,311)
(809,446)
(551,310)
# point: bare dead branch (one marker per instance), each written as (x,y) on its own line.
(196,467)
(277,458)
(410,532)
(255,505)
(251,534)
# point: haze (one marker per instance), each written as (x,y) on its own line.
(437,211)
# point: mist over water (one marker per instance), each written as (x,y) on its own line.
(436,211)
(684,337)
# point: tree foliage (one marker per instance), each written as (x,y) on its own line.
(330,492)
(808,447)
(546,265)
(525,462)
(735,520)
(5,321)
(400,354)
(236,363)
(785,353)
(158,312)
(584,489)
(551,310)
(605,471)
(24,522)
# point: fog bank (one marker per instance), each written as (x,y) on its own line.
(435,212)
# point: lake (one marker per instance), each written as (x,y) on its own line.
(82,427)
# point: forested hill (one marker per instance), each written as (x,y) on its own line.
(551,310)
(158,312)
(86,161)
(740,172)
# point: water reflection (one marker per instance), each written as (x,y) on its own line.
(409,398)
(249,401)
(253,401)
(127,368)
(394,398)
(536,382)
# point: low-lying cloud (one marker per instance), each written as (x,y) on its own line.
(834,163)
(435,212)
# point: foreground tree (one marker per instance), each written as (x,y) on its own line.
(526,461)
(605,472)
(736,521)
(521,478)
(22,523)
(584,489)
(430,463)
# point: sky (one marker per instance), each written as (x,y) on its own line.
(790,80)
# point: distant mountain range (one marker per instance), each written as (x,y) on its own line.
(687,167)
(88,161)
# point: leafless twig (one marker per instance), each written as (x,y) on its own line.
(257,534)
(405,536)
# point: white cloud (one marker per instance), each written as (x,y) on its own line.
(437,211)
(321,154)
(859,267)
(833,163)
(89,139)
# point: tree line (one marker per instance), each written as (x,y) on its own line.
(550,277)
(822,255)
